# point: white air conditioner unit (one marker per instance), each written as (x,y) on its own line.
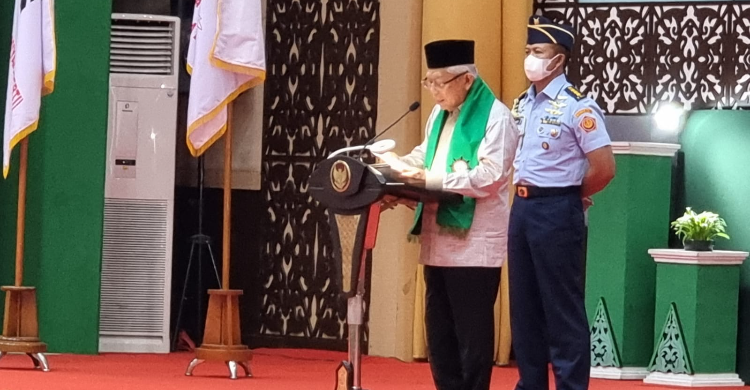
(139,187)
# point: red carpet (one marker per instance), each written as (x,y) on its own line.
(274,369)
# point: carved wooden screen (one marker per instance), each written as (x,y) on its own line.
(630,56)
(321,94)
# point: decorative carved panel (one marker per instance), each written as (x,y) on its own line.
(610,62)
(321,95)
(690,52)
(737,66)
(631,56)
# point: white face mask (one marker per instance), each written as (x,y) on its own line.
(536,68)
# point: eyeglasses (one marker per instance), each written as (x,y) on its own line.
(428,84)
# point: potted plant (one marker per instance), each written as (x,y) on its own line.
(698,231)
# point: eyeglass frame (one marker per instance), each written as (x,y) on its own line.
(443,85)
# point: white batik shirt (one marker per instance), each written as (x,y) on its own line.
(485,245)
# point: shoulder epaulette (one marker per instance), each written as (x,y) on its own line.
(576,94)
(516,101)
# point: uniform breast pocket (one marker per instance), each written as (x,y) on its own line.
(549,136)
(549,131)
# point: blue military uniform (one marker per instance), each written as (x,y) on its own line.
(558,127)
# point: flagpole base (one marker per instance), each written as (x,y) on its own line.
(222,337)
(21,326)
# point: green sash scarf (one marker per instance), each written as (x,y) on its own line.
(468,133)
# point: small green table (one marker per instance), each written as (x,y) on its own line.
(695,328)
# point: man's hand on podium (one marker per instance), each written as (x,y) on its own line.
(390,202)
(413,173)
(393,160)
(386,157)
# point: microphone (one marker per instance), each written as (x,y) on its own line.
(413,107)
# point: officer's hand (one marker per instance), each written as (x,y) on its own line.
(587,202)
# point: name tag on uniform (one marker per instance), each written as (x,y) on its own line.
(547,120)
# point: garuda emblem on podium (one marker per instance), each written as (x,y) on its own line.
(341,176)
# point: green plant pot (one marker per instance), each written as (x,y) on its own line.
(699,246)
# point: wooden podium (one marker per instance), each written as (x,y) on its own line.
(352,191)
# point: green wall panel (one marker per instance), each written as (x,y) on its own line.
(65,181)
(717,153)
(8,191)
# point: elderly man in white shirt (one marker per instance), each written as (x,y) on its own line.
(468,149)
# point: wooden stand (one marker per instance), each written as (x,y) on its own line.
(20,326)
(222,336)
(222,341)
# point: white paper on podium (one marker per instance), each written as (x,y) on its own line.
(394,162)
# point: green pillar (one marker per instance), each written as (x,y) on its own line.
(695,328)
(630,216)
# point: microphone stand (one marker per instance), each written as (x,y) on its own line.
(413,107)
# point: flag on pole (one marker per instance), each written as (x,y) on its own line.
(31,73)
(226,57)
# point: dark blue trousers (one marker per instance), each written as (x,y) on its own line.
(548,317)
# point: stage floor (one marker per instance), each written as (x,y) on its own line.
(274,369)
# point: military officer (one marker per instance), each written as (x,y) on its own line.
(563,157)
